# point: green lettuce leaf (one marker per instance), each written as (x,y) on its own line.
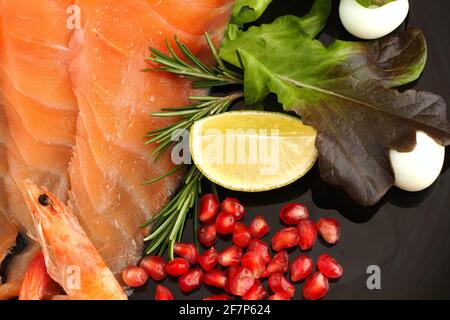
(314,22)
(245,11)
(343,91)
(310,25)
(378,3)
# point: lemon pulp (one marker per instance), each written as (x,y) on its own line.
(253,150)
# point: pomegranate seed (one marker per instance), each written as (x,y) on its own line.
(208,259)
(307,233)
(261,248)
(316,287)
(186,250)
(134,276)
(154,266)
(163,293)
(208,208)
(254,262)
(279,283)
(279,296)
(234,207)
(207,235)
(218,297)
(259,227)
(230,256)
(225,223)
(279,264)
(301,268)
(191,280)
(215,278)
(285,238)
(240,280)
(293,213)
(241,235)
(177,267)
(329,229)
(329,266)
(230,270)
(256,292)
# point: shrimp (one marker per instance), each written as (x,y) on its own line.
(70,257)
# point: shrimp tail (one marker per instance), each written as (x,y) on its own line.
(37,284)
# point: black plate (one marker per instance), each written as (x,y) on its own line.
(407,234)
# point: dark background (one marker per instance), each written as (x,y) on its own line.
(406,234)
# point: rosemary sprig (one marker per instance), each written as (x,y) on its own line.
(170,221)
(206,106)
(204,76)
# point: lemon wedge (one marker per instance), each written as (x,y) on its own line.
(253,151)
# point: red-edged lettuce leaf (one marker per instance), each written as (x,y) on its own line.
(343,91)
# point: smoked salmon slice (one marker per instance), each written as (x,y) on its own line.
(78,106)
(8,231)
(16,270)
(40,107)
(115,99)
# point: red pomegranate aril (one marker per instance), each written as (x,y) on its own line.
(191,280)
(241,235)
(301,268)
(208,259)
(229,273)
(279,296)
(186,250)
(225,223)
(218,297)
(254,262)
(329,229)
(259,227)
(163,293)
(316,287)
(234,207)
(154,266)
(240,280)
(256,292)
(134,276)
(279,264)
(307,234)
(230,256)
(279,283)
(261,248)
(329,266)
(293,213)
(285,238)
(215,278)
(207,235)
(208,208)
(177,267)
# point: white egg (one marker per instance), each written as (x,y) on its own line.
(418,169)
(372,22)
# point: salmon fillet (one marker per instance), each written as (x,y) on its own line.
(78,106)
(114,99)
(8,231)
(16,270)
(39,103)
